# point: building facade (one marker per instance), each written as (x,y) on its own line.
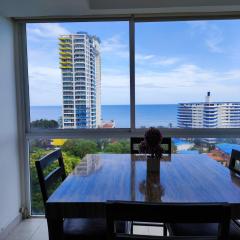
(80,63)
(209,114)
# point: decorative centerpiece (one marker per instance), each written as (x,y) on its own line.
(151,187)
(151,143)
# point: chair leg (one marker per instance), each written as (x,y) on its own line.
(131,227)
(164,230)
(55,229)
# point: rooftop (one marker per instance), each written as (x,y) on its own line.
(227,147)
(207,103)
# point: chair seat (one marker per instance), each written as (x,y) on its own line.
(89,228)
(202,229)
(84,228)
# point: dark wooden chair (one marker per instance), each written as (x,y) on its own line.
(184,213)
(178,229)
(171,212)
(165,144)
(73,228)
(203,229)
(234,163)
(46,182)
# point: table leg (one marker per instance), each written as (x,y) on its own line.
(164,229)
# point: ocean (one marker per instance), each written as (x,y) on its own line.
(146,115)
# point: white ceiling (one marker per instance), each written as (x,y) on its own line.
(132,4)
(48,8)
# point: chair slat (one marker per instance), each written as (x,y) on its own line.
(57,173)
(166,144)
(53,176)
(51,157)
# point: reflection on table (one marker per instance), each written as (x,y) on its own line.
(151,186)
(88,165)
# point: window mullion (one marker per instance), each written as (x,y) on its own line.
(132,72)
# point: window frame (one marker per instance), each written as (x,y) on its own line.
(27,134)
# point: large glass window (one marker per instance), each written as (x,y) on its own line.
(79,75)
(187,74)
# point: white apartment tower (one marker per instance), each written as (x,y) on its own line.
(209,114)
(80,62)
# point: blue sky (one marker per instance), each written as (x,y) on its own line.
(175,61)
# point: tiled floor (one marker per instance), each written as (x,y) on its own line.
(36,229)
(30,229)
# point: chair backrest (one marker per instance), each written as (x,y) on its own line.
(165,144)
(46,182)
(234,163)
(167,213)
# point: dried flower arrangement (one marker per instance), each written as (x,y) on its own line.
(151,143)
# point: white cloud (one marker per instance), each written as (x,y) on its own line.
(113,78)
(46,30)
(213,45)
(115,86)
(212,35)
(214,39)
(186,83)
(198,25)
(143,57)
(157,60)
(115,46)
(187,75)
(45,86)
(166,61)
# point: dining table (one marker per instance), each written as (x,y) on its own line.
(178,178)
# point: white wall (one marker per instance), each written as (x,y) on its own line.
(10,199)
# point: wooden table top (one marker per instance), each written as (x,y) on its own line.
(181,178)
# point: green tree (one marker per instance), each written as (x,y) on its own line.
(113,148)
(118,147)
(44,123)
(102,143)
(125,146)
(70,162)
(80,147)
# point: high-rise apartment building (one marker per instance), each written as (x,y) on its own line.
(209,114)
(80,62)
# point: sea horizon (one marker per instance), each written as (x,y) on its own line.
(146,114)
(108,105)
